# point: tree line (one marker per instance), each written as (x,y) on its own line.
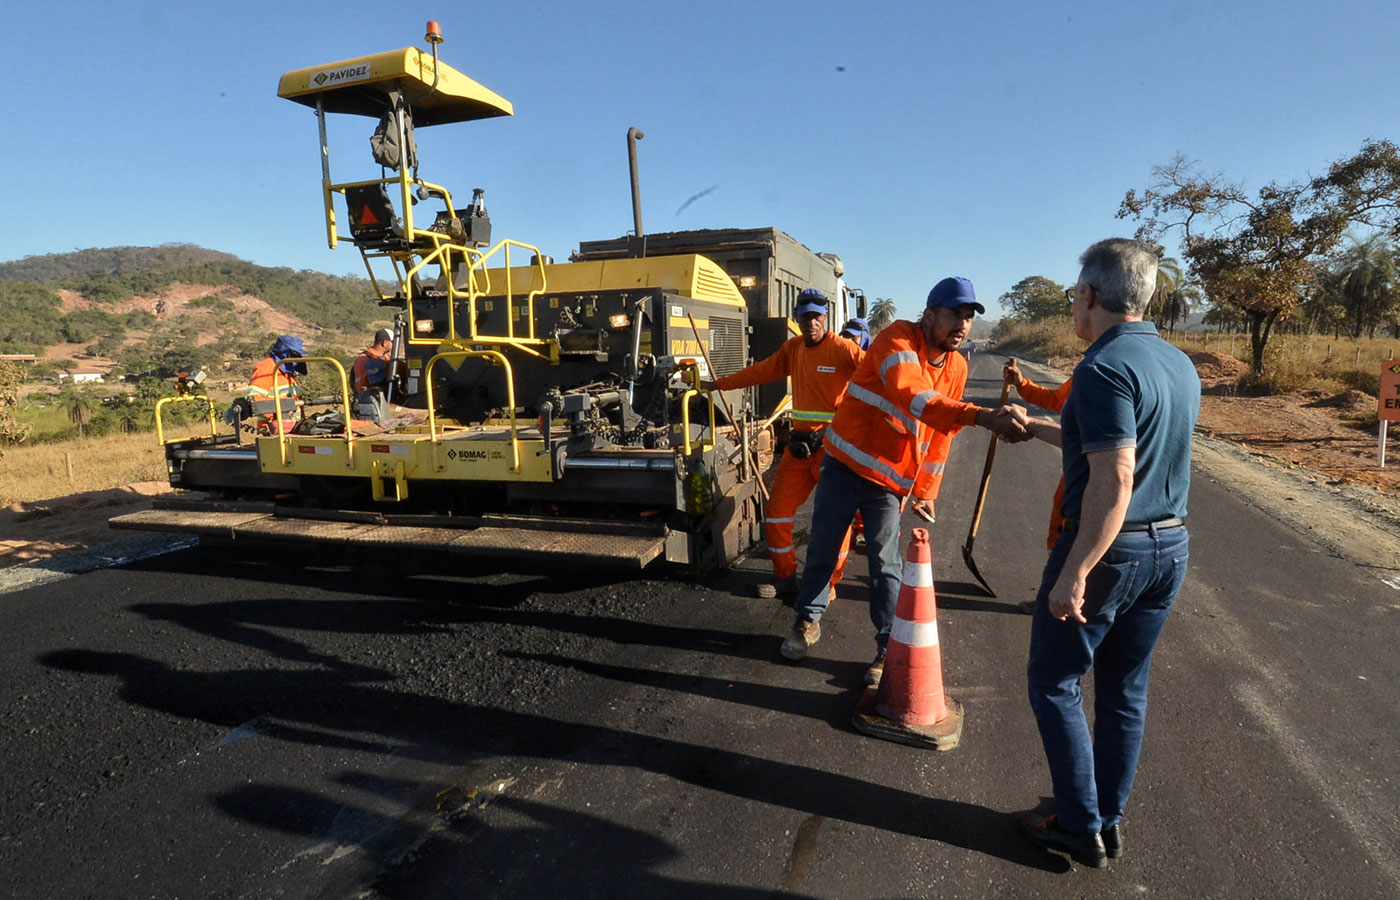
(1279,256)
(1316,255)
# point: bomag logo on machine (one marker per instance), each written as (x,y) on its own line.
(343,75)
(474,455)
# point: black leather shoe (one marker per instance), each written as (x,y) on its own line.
(1085,849)
(1113,841)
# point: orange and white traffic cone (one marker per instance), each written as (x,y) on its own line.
(909,705)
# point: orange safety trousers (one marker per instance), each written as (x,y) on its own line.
(792,485)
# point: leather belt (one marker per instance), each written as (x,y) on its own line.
(1160,525)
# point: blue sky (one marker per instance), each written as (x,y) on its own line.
(917,140)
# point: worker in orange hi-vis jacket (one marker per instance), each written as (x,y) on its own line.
(820,364)
(275,378)
(890,439)
(1053,400)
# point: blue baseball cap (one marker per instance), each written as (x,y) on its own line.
(953,293)
(809,301)
(859,330)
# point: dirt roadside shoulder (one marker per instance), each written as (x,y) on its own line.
(38,530)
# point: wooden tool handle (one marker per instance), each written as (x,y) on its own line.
(729,413)
(986,472)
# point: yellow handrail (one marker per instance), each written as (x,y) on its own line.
(160,426)
(685,418)
(495,357)
(503,247)
(282,440)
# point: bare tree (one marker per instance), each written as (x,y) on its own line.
(1259,253)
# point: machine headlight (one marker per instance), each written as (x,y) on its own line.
(747,281)
(423,326)
(621,320)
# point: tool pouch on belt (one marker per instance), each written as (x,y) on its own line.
(802,444)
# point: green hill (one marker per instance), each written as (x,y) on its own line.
(62,267)
(32,317)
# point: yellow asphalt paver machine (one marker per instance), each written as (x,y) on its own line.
(535,410)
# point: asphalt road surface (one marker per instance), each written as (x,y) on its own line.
(223,722)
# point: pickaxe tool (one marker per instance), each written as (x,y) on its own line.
(982,499)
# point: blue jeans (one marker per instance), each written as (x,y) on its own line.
(840,492)
(1128,595)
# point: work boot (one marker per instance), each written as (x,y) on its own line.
(804,635)
(830,594)
(876,670)
(785,587)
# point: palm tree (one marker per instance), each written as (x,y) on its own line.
(1174,297)
(79,404)
(1366,274)
(882,313)
(130,415)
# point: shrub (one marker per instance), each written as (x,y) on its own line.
(1358,380)
(1049,338)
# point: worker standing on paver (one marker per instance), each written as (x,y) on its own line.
(1053,400)
(1118,565)
(890,439)
(820,364)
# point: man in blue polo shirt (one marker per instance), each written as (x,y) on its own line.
(1110,581)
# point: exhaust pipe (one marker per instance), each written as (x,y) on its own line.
(634,135)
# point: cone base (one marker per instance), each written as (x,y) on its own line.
(941,735)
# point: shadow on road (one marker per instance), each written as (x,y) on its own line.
(334,708)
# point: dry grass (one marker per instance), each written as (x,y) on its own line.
(1293,362)
(40,471)
(1305,362)
(1053,339)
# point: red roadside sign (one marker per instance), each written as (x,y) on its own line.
(1388,400)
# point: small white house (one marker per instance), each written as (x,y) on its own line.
(82,376)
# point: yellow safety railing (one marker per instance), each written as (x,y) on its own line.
(442,253)
(479,285)
(187,398)
(503,247)
(404,182)
(493,356)
(685,418)
(283,442)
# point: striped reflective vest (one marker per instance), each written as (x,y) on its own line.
(260,383)
(819,377)
(897,422)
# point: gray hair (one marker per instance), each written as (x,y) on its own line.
(1123,274)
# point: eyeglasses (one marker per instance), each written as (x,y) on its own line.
(1069,294)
